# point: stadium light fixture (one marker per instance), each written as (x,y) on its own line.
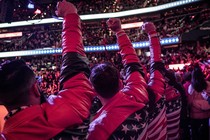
(113,47)
(102,15)
(30,5)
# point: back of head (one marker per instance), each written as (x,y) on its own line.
(187,76)
(198,79)
(16,79)
(105,80)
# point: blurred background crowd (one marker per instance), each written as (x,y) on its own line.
(171,22)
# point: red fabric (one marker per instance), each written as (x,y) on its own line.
(157,128)
(72,35)
(173,109)
(131,98)
(68,109)
(155,49)
(171,93)
(29,124)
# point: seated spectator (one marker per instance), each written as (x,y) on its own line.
(28,118)
(124,112)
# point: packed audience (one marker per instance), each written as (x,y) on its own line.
(171,23)
(192,79)
(47,67)
(21,12)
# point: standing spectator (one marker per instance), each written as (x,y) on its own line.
(124,113)
(173,103)
(157,127)
(199,107)
(28,119)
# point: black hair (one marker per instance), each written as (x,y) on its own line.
(16,79)
(198,79)
(105,80)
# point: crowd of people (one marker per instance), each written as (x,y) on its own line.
(47,67)
(21,12)
(169,23)
(134,93)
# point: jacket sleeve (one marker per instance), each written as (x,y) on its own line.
(135,84)
(74,59)
(156,80)
(201,104)
(72,105)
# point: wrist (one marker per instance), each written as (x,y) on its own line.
(69,12)
(153,34)
(120,33)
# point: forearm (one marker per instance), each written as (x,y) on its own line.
(130,59)
(74,60)
(72,35)
(155,48)
(156,80)
(135,84)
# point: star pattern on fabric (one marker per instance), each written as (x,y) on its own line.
(173,105)
(125,128)
(137,117)
(132,138)
(132,127)
(158,107)
(75,138)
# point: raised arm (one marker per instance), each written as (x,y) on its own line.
(135,83)
(74,59)
(156,80)
(74,99)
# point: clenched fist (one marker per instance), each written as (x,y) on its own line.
(114,24)
(148,27)
(64,8)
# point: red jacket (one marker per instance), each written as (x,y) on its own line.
(71,107)
(157,126)
(125,115)
(173,110)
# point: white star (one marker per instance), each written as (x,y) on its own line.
(158,105)
(125,128)
(75,138)
(137,117)
(132,138)
(143,125)
(135,127)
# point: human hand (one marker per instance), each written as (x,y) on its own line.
(114,24)
(64,8)
(148,27)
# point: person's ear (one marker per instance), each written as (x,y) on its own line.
(35,90)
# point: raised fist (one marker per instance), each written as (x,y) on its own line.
(64,8)
(114,24)
(148,27)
